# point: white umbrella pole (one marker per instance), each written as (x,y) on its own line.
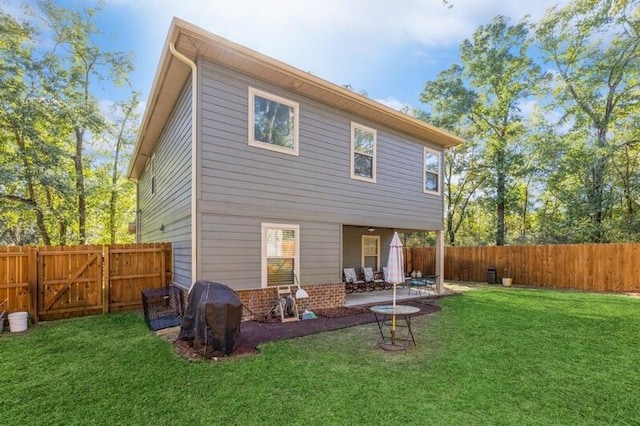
(394,295)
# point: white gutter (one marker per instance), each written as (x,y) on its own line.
(194,160)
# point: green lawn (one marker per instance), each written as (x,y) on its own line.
(498,356)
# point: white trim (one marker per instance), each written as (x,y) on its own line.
(352,151)
(296,114)
(370,237)
(194,162)
(424,170)
(263,249)
(440,261)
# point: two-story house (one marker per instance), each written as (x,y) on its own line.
(256,170)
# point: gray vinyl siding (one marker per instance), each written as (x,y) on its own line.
(320,252)
(243,186)
(170,206)
(231,250)
(238,179)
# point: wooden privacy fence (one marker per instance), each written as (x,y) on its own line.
(52,282)
(589,267)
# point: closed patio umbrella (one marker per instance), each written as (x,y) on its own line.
(395,272)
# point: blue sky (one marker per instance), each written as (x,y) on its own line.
(388,48)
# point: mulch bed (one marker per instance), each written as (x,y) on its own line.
(254,333)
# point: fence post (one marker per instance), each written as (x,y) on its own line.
(106,279)
(168,262)
(163,267)
(440,261)
(32,279)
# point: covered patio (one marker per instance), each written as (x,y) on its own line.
(368,246)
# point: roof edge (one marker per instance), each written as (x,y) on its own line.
(315,80)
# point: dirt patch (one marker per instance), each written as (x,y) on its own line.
(338,312)
(254,333)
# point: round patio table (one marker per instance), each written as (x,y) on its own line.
(403,314)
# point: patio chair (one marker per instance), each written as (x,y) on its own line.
(371,281)
(422,285)
(352,283)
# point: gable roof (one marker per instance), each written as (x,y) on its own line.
(193,41)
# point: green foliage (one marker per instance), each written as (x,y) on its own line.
(418,239)
(51,181)
(594,48)
(481,100)
(565,170)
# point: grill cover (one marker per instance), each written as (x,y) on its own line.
(212,319)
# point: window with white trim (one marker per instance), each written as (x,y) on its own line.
(363,153)
(273,122)
(371,251)
(431,171)
(280,254)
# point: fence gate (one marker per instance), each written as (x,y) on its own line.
(70,281)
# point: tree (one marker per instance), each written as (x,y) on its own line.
(594,47)
(487,89)
(451,104)
(81,63)
(50,125)
(33,166)
(122,133)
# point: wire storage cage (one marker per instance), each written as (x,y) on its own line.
(162,307)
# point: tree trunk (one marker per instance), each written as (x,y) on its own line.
(114,196)
(63,232)
(629,200)
(596,201)
(120,142)
(596,196)
(40,222)
(501,188)
(525,213)
(82,203)
(451,233)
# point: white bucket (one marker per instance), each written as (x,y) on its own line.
(18,321)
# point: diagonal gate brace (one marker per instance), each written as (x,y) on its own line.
(70,281)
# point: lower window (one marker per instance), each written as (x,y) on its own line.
(371,252)
(280,254)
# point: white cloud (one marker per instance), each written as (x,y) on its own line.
(365,43)
(286,28)
(13,8)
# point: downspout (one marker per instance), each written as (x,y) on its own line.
(194,160)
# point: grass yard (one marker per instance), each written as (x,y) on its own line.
(497,356)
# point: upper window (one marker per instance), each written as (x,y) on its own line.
(431,171)
(280,254)
(273,122)
(363,153)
